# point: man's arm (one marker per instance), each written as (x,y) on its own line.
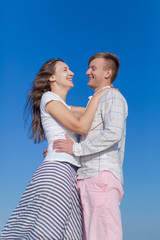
(62,145)
(44,153)
(114,113)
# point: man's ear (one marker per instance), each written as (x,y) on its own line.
(108,73)
(52,78)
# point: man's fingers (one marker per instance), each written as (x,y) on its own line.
(59,150)
(44,153)
(67,137)
(58,146)
(59,141)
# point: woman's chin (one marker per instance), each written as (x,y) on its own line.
(72,85)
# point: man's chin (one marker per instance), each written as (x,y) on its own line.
(89,84)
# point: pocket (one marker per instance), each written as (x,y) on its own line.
(101,182)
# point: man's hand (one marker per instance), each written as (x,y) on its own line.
(62,145)
(44,153)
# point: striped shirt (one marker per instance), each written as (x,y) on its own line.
(103,147)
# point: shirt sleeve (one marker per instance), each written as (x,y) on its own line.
(114,113)
(48,97)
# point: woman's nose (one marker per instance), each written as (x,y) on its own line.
(71,73)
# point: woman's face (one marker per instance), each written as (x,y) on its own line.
(63,75)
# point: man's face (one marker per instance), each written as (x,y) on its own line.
(96,74)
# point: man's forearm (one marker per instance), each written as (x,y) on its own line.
(114,118)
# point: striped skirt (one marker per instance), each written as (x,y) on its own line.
(49,208)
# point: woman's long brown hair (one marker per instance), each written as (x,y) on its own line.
(41,85)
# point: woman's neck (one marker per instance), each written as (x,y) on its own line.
(60,92)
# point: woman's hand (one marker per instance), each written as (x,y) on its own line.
(100,93)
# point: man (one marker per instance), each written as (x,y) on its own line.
(100,178)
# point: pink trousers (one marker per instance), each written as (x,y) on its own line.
(100,198)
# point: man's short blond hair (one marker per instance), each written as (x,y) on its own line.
(112,61)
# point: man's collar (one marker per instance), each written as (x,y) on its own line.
(98,91)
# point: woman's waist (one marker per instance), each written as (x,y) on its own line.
(52,155)
(52,137)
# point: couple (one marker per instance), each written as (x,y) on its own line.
(50,206)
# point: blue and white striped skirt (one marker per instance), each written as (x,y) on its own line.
(49,208)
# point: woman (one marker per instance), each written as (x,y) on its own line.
(50,206)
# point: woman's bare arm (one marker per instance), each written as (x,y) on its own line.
(64,116)
(78,111)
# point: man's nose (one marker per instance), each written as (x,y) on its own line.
(88,71)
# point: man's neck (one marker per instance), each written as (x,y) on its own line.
(98,89)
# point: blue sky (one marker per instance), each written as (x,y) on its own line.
(35,31)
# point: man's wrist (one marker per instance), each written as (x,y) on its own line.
(76,149)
